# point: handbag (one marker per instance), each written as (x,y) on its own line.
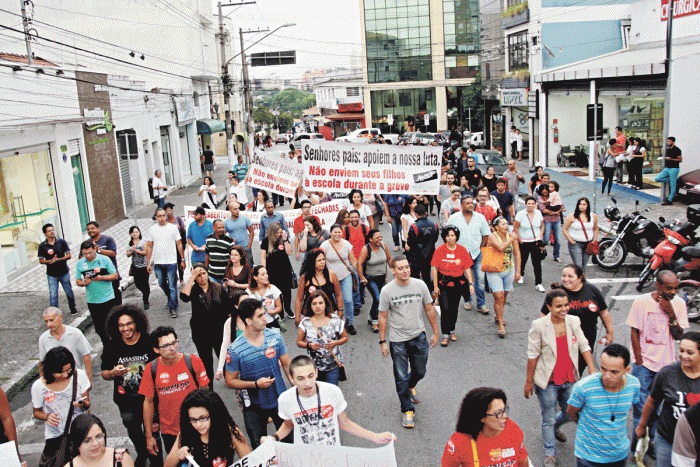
(593,247)
(131,270)
(475,453)
(538,243)
(295,280)
(342,373)
(492,259)
(62,455)
(355,285)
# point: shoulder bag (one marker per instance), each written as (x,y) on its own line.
(492,259)
(540,243)
(475,453)
(62,455)
(592,248)
(355,285)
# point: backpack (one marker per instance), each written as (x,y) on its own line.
(425,248)
(154,364)
(363,227)
(150,189)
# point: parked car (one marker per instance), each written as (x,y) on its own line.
(406,137)
(689,187)
(492,157)
(282,138)
(300,137)
(360,132)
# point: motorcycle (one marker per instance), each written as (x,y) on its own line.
(670,250)
(688,271)
(635,234)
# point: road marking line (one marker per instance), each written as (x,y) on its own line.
(612,280)
(621,298)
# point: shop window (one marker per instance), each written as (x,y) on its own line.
(518,51)
(127,144)
(353,91)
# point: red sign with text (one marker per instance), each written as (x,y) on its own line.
(680,8)
(352,107)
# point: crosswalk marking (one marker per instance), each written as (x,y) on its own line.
(612,280)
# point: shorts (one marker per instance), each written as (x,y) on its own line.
(501,281)
(209,167)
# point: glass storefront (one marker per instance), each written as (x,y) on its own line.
(397,35)
(461,23)
(458,110)
(27,202)
(643,117)
(407,108)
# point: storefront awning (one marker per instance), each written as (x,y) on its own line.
(208,126)
(350,116)
(637,61)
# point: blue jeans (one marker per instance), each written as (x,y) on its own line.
(357,294)
(218,281)
(645,377)
(663,451)
(161,202)
(551,421)
(395,229)
(374,285)
(578,254)
(478,282)
(346,289)
(556,228)
(330,376)
(67,288)
(415,352)
(167,280)
(586,463)
(669,176)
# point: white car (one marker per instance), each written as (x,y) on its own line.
(300,137)
(360,132)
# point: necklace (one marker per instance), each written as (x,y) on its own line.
(617,399)
(318,410)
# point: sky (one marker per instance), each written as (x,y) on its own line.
(326,35)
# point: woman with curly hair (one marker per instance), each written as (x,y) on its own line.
(483,427)
(343,217)
(238,271)
(207,432)
(315,275)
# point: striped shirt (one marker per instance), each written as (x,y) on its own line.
(257,362)
(598,437)
(217,252)
(241,170)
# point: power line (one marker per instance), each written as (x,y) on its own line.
(129,21)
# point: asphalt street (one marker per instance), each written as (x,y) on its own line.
(478,358)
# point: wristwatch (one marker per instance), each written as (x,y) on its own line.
(381,341)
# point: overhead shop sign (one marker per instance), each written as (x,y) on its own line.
(514,97)
(288,57)
(680,8)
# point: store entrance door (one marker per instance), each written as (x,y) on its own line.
(81,198)
(167,161)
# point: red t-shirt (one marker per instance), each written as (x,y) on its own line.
(451,263)
(487,211)
(506,449)
(357,237)
(563,368)
(173,384)
(299,224)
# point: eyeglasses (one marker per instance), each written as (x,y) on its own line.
(169,344)
(503,413)
(203,419)
(99,438)
(125,325)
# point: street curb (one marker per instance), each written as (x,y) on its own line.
(30,370)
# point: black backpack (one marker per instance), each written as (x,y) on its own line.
(154,364)
(365,231)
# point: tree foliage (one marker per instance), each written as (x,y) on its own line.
(471,97)
(286,122)
(288,100)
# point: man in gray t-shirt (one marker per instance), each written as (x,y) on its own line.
(400,305)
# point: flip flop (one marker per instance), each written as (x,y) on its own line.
(502,333)
(453,337)
(444,342)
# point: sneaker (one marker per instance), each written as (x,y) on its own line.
(357,311)
(467,306)
(351,330)
(173,312)
(539,288)
(521,280)
(146,305)
(414,395)
(290,315)
(560,436)
(558,260)
(375,328)
(667,203)
(408,421)
(73,310)
(483,310)
(550,461)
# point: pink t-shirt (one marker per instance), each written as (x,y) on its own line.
(657,345)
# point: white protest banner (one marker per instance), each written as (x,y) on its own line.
(263,456)
(372,168)
(314,455)
(326,212)
(8,455)
(275,173)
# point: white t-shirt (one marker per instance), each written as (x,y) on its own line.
(267,298)
(365,213)
(519,142)
(308,427)
(526,225)
(208,197)
(160,192)
(240,192)
(58,402)
(163,238)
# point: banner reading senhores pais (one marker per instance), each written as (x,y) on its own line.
(372,168)
(275,173)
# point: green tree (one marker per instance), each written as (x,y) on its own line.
(286,122)
(288,100)
(262,115)
(471,97)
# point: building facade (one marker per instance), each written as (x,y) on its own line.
(419,56)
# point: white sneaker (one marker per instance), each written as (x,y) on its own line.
(521,280)
(539,288)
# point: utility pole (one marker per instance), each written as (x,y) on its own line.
(667,100)
(247,98)
(27,36)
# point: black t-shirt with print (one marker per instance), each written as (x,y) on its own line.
(58,249)
(135,357)
(587,304)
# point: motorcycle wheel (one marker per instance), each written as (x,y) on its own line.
(560,160)
(691,295)
(609,257)
(646,277)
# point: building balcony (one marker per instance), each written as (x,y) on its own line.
(517,16)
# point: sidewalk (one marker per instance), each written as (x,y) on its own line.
(26,296)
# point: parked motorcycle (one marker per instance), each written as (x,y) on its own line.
(688,271)
(670,251)
(635,234)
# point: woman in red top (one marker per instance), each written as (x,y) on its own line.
(451,269)
(485,436)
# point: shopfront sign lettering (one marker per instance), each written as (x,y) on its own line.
(99,121)
(680,8)
(514,97)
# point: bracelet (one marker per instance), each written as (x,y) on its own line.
(382,342)
(256,384)
(307,344)
(277,437)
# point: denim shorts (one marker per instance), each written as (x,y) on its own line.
(501,281)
